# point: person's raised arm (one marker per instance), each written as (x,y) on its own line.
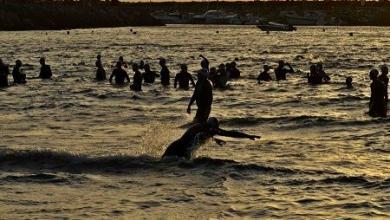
(235,134)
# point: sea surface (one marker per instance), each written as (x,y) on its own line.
(74,148)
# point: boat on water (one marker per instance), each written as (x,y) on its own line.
(273,26)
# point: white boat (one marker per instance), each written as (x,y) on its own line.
(273,26)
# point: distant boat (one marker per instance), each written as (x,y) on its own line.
(273,26)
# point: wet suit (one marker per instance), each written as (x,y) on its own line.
(45,72)
(100,73)
(197,135)
(4,71)
(19,78)
(165,76)
(120,76)
(183,78)
(137,81)
(377,99)
(203,95)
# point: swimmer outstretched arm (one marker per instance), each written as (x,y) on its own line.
(235,134)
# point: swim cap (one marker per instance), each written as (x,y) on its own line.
(213,122)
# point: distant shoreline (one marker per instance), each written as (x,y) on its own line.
(19,15)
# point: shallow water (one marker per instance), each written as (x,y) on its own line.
(74,148)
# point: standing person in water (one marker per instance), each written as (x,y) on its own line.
(264,76)
(184,78)
(222,77)
(4,72)
(203,95)
(348,82)
(281,70)
(120,75)
(137,79)
(383,77)
(377,106)
(164,73)
(234,72)
(19,77)
(324,77)
(45,72)
(149,76)
(198,135)
(101,72)
(122,61)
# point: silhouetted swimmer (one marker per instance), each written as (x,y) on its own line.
(45,72)
(281,71)
(141,65)
(184,78)
(4,72)
(313,77)
(203,95)
(385,79)
(120,75)
(19,77)
(324,77)
(198,135)
(222,77)
(264,76)
(137,79)
(213,75)
(204,63)
(377,106)
(351,34)
(149,76)
(164,73)
(68,32)
(348,82)
(122,61)
(234,72)
(100,72)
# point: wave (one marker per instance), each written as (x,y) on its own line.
(69,162)
(343,180)
(294,122)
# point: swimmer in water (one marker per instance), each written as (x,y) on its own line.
(149,76)
(348,82)
(264,76)
(19,77)
(4,72)
(204,63)
(234,72)
(119,74)
(197,135)
(101,72)
(281,71)
(385,79)
(164,73)
(377,106)
(203,95)
(183,78)
(45,72)
(137,79)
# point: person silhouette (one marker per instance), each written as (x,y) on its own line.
(203,95)
(183,78)
(385,79)
(164,73)
(377,105)
(19,77)
(186,146)
(137,79)
(100,72)
(4,72)
(281,71)
(264,75)
(119,74)
(45,72)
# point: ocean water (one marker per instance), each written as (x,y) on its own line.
(74,148)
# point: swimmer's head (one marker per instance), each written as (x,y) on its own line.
(281,63)
(348,81)
(135,66)
(18,63)
(374,74)
(98,57)
(183,67)
(162,61)
(384,70)
(266,67)
(42,60)
(147,67)
(213,122)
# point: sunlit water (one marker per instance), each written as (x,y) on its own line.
(75,148)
